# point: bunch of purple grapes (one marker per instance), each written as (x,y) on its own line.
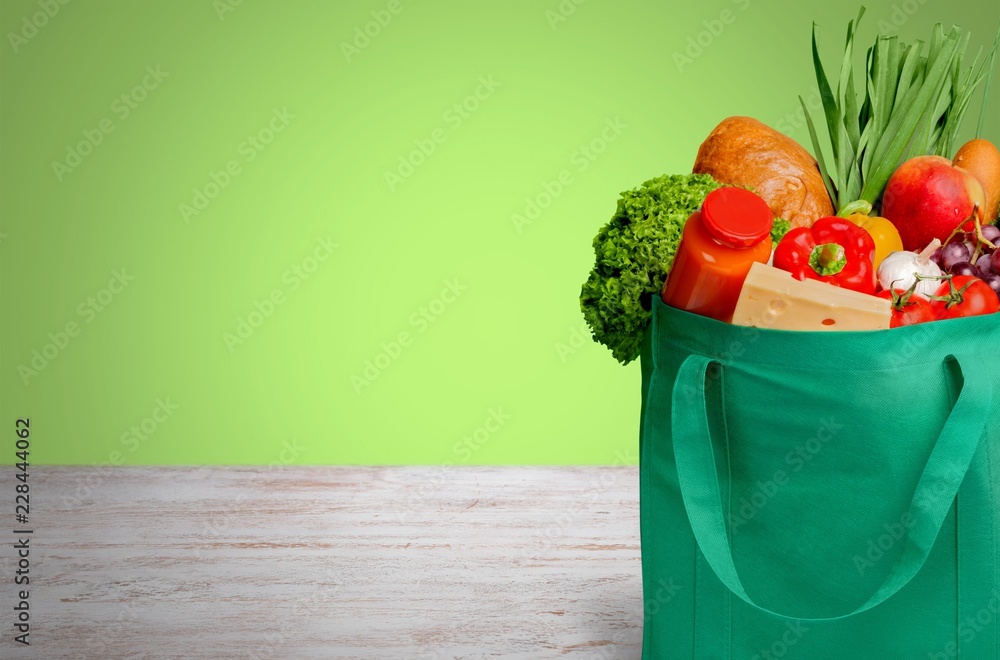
(965,255)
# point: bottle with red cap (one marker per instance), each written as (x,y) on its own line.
(720,242)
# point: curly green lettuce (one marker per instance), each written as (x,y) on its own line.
(779,229)
(634,252)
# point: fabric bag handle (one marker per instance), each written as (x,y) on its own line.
(935,494)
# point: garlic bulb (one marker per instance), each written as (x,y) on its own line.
(899,270)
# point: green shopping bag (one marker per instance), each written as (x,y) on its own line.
(820,495)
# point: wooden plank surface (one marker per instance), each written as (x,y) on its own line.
(330,562)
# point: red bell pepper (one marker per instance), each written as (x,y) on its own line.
(833,250)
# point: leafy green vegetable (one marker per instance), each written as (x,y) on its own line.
(634,252)
(913,105)
(780,228)
(989,83)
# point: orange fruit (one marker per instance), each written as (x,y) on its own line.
(981,159)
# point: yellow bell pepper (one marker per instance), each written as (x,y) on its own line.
(882,231)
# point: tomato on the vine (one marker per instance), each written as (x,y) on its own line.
(908,308)
(964,295)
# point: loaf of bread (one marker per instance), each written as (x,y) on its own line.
(742,151)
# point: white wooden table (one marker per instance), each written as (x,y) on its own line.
(328,562)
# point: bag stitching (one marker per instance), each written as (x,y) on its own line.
(952,400)
(728,622)
(990,454)
(645,471)
(648,642)
(644,492)
(737,362)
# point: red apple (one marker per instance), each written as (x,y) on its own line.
(927,197)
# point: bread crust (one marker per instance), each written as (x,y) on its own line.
(742,151)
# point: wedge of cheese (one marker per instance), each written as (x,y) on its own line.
(772,298)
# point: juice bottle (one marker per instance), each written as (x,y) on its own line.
(719,244)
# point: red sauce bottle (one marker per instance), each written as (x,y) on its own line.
(720,242)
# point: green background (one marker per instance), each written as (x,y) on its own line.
(512,343)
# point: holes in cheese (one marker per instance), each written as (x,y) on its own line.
(772,298)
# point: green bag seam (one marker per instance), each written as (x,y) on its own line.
(958,578)
(644,496)
(952,399)
(811,369)
(743,360)
(990,453)
(728,604)
(644,482)
(644,523)
(697,601)
(702,574)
